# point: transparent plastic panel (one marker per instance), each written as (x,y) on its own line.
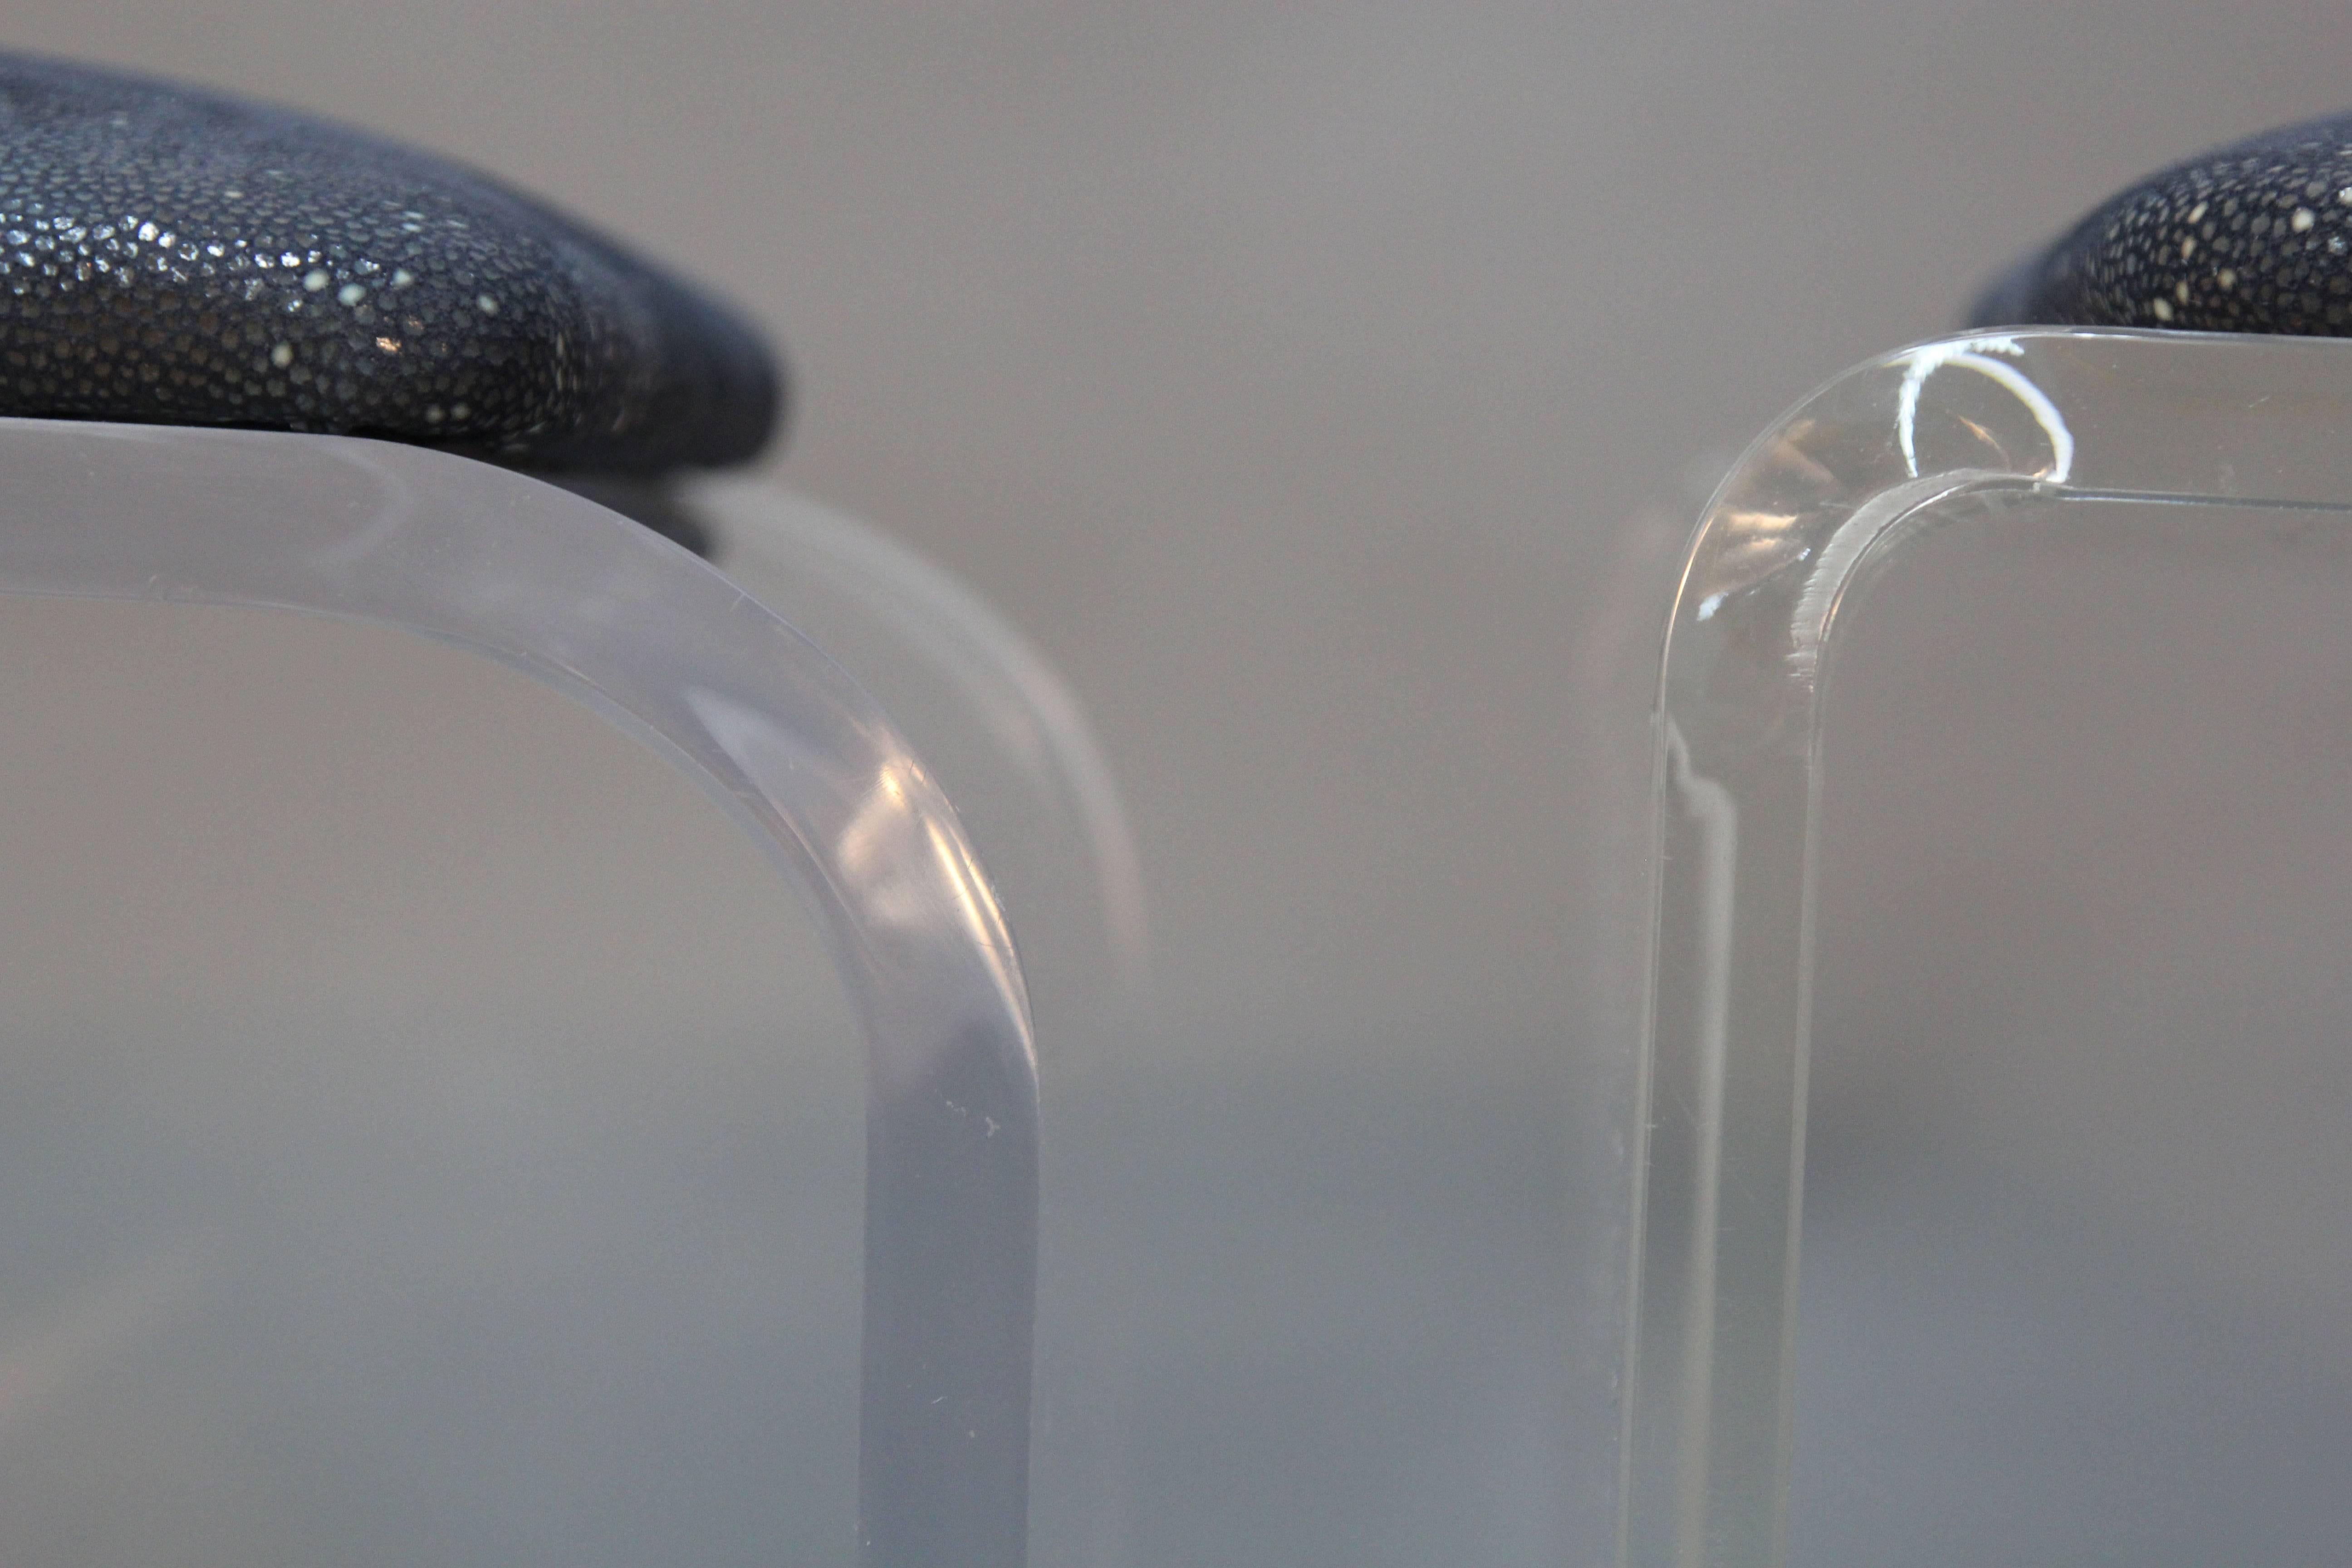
(2078,1196)
(2050,862)
(432,1129)
(416,1158)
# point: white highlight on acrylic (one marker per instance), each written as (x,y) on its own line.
(1852,539)
(1975,353)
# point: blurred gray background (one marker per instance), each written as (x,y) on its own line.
(1325,388)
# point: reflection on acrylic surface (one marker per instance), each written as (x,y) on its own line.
(433,1131)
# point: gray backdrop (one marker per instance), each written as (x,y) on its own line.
(1325,388)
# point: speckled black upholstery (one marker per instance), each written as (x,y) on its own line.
(175,257)
(2252,237)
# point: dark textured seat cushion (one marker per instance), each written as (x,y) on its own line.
(2252,237)
(175,257)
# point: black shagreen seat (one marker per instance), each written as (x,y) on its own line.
(170,256)
(2252,237)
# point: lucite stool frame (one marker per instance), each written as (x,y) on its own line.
(1824,499)
(672,653)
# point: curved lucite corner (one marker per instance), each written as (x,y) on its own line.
(1810,509)
(958,676)
(600,609)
